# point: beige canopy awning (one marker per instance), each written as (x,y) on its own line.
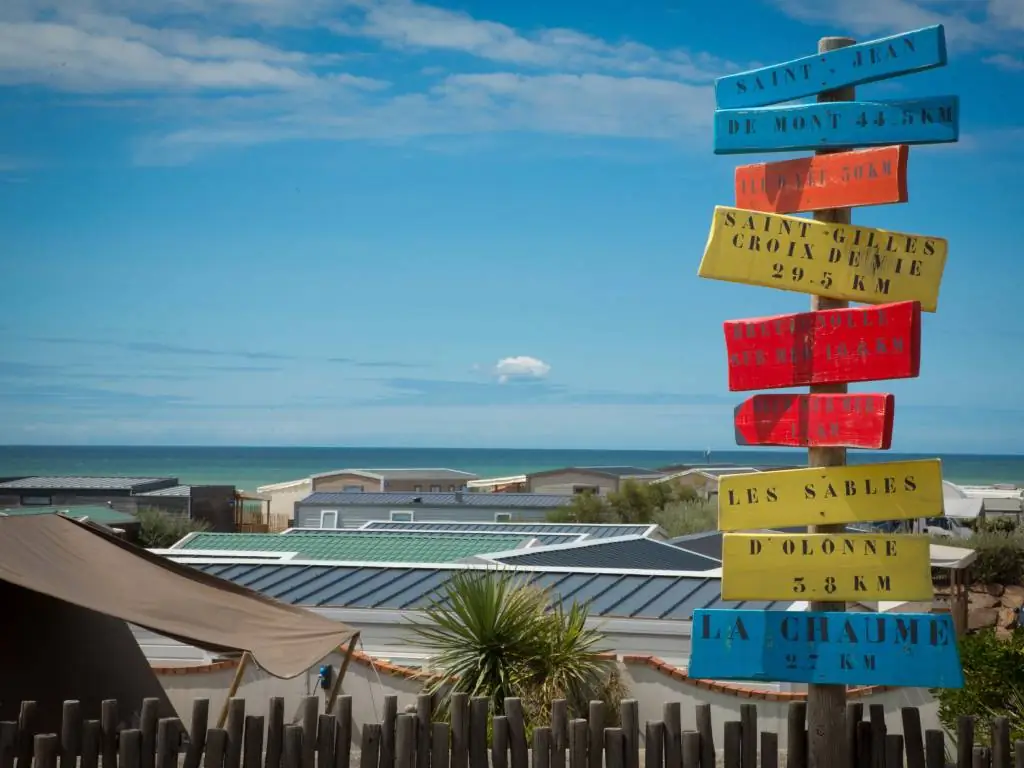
(87,566)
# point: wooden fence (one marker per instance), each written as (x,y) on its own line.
(472,738)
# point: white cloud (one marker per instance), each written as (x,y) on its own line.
(521,367)
(968,23)
(404,24)
(567,105)
(70,58)
(1007,62)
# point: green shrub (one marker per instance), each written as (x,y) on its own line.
(159,530)
(993,682)
(1000,557)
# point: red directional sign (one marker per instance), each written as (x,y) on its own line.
(826,347)
(825,421)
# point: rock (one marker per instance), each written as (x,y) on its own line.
(981,618)
(982,600)
(1007,618)
(1013,597)
(996,590)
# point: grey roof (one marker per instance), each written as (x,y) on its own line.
(77,483)
(644,596)
(443,529)
(623,471)
(591,531)
(629,552)
(174,490)
(428,473)
(990,504)
(491,500)
(607,471)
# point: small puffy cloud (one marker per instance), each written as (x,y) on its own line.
(521,367)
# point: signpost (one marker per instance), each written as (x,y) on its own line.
(851,65)
(833,260)
(823,566)
(898,490)
(915,650)
(851,421)
(859,177)
(825,347)
(838,125)
(832,345)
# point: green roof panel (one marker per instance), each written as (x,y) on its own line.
(362,547)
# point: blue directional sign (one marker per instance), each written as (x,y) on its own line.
(837,125)
(854,65)
(912,650)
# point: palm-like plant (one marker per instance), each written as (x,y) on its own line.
(494,636)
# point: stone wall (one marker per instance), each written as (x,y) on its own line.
(994,605)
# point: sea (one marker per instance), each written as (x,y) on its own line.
(249,467)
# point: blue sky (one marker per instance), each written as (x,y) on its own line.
(381,222)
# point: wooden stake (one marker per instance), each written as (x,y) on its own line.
(233,689)
(826,704)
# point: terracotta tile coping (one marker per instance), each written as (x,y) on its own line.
(676,673)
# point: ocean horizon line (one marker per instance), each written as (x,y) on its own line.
(781,450)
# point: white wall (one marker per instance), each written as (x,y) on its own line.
(389,635)
(651,687)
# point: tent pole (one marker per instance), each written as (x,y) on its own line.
(233,689)
(336,685)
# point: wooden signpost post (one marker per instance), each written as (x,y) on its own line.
(757,243)
(850,421)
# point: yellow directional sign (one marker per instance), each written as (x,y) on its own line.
(897,490)
(839,261)
(821,566)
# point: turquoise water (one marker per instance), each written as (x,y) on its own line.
(250,467)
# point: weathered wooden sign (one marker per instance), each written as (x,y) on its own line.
(840,180)
(912,650)
(824,566)
(840,261)
(800,421)
(838,125)
(854,65)
(897,490)
(825,347)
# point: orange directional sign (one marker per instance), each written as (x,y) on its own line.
(840,180)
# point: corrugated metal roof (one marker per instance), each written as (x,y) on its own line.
(632,552)
(592,531)
(367,547)
(442,529)
(490,500)
(619,595)
(81,483)
(96,513)
(176,490)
